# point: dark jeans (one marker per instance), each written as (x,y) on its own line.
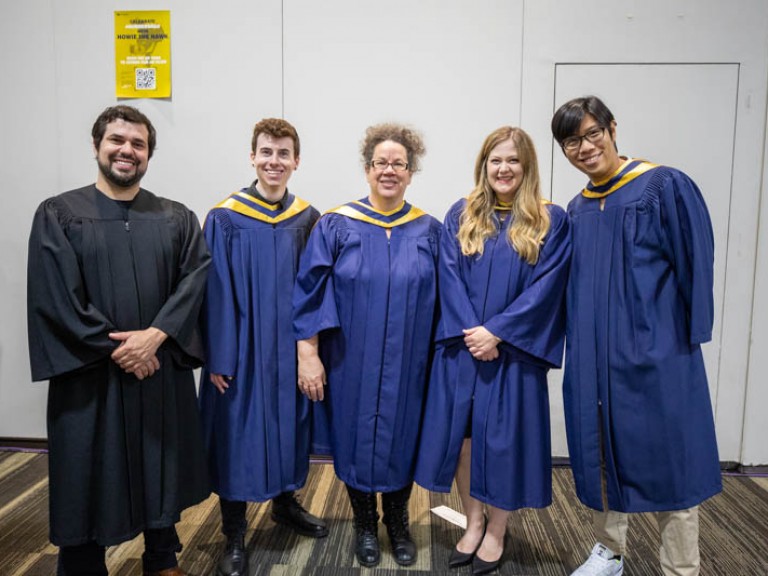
(160,548)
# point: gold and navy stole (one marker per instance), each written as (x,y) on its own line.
(507,206)
(627,172)
(503,206)
(363,211)
(247,205)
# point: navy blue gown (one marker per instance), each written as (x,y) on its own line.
(257,432)
(372,300)
(640,305)
(507,398)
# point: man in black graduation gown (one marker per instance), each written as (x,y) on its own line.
(116,276)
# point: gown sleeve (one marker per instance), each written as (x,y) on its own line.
(179,317)
(220,306)
(314,302)
(687,228)
(66,332)
(456,310)
(535,321)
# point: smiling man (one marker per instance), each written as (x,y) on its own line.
(256,422)
(639,421)
(116,277)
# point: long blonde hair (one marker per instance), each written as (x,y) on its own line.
(530,217)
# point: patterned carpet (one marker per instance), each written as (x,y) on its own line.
(552,541)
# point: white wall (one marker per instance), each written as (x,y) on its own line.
(451,69)
(679,32)
(454,69)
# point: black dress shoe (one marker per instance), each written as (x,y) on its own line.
(480,566)
(234,561)
(286,510)
(457,559)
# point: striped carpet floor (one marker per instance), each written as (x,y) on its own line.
(552,541)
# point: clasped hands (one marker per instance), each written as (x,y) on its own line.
(137,351)
(481,343)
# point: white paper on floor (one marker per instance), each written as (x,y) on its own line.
(451,515)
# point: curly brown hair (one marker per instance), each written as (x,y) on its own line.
(403,135)
(277,128)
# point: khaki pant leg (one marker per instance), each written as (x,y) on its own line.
(679,552)
(611,529)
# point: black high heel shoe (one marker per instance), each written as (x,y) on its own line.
(480,566)
(457,558)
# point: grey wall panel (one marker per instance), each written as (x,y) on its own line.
(29,170)
(450,69)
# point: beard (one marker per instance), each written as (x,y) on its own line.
(118,178)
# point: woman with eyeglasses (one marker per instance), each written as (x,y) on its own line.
(364,306)
(504,259)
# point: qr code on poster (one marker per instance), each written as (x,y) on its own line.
(146,78)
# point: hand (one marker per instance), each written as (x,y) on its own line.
(311,371)
(481,343)
(145,370)
(137,349)
(221,382)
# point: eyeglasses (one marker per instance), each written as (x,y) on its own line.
(397,165)
(593,136)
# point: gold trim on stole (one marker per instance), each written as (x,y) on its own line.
(233,203)
(638,170)
(351,212)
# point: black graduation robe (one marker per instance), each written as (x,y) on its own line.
(125,455)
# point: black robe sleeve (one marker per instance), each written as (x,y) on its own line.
(179,317)
(66,332)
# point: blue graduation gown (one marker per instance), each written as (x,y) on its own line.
(258,432)
(639,306)
(372,299)
(523,305)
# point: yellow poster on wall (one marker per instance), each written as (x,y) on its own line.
(143,54)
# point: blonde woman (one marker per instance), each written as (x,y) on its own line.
(503,268)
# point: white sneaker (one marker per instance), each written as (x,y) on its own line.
(602,562)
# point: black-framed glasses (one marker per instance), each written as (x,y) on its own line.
(397,165)
(593,136)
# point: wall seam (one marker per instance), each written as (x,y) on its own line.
(755,269)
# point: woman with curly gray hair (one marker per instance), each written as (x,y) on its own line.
(365,300)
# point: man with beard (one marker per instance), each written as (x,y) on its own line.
(116,277)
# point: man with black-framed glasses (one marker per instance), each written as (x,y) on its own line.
(639,420)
